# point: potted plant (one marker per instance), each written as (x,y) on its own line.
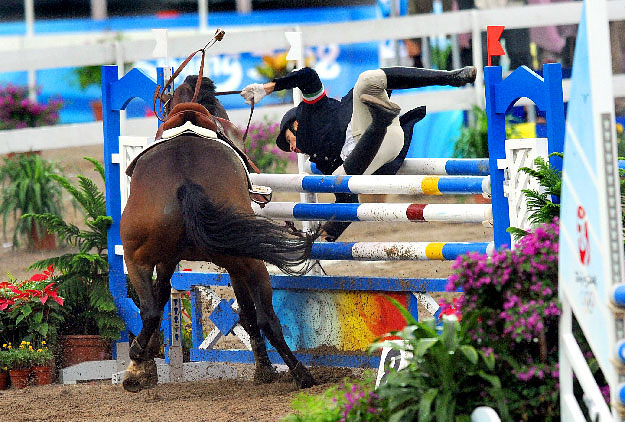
(19,361)
(42,369)
(83,274)
(30,310)
(4,368)
(17,111)
(28,187)
(87,76)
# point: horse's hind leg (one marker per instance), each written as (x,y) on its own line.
(141,372)
(265,372)
(260,288)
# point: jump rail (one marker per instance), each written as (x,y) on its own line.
(400,185)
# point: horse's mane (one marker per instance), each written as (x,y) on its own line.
(207,96)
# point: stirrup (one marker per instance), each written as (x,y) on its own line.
(260,194)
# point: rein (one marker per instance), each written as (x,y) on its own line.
(249,120)
(165,98)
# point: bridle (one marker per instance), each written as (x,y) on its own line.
(164,97)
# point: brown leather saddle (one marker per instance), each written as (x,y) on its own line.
(226,131)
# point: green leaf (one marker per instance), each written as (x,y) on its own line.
(470,353)
(402,415)
(492,379)
(26,310)
(449,336)
(425,405)
(442,407)
(43,329)
(423,345)
(489,360)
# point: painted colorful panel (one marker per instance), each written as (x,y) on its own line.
(346,321)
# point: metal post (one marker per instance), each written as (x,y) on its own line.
(202,8)
(244,6)
(478,86)
(455,52)
(99,10)
(176,373)
(119,61)
(29,13)
(395,13)
(301,159)
(302,164)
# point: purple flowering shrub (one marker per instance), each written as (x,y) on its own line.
(17,111)
(511,303)
(261,147)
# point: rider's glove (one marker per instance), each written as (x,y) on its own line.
(254,92)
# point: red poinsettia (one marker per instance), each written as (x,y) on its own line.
(29,289)
(27,307)
(45,275)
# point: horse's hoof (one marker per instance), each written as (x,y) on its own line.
(140,375)
(303,378)
(132,385)
(265,375)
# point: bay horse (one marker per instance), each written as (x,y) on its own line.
(189,200)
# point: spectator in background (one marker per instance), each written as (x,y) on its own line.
(617,42)
(554,43)
(517,40)
(414,46)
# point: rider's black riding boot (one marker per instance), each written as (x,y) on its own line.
(382,114)
(415,77)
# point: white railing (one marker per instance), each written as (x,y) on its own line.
(57,51)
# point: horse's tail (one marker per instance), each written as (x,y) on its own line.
(226,231)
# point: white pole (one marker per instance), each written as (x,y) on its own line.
(202,8)
(297,53)
(29,13)
(394,14)
(478,86)
(244,6)
(98,10)
(119,61)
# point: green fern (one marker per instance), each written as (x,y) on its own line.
(539,204)
(83,279)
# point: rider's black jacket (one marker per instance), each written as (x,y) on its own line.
(322,121)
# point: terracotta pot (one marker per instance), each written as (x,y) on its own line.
(96,108)
(42,375)
(19,377)
(4,380)
(43,241)
(82,348)
(479,199)
(13,154)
